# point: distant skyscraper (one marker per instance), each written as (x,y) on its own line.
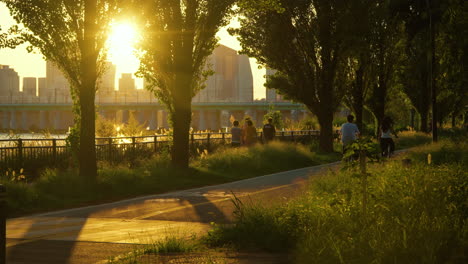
(9,84)
(127,83)
(271,94)
(107,84)
(232,80)
(57,85)
(42,87)
(245,80)
(29,86)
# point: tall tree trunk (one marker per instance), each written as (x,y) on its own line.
(431,72)
(87,152)
(359,96)
(423,127)
(181,119)
(325,119)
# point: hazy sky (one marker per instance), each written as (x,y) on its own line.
(33,65)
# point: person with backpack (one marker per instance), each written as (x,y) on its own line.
(269,131)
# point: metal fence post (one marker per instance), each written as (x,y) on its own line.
(20,152)
(3,215)
(155,144)
(54,150)
(109,149)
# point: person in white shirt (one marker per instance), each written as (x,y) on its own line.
(387,145)
(349,132)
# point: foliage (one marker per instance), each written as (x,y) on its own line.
(105,127)
(133,128)
(63,188)
(277,117)
(71,35)
(416,214)
(305,42)
(181,35)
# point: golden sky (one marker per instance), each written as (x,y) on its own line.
(33,65)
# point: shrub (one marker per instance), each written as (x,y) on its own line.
(415,214)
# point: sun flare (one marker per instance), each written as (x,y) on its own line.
(121,44)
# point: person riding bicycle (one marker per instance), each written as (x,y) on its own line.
(349,132)
(387,145)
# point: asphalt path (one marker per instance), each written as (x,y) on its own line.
(93,234)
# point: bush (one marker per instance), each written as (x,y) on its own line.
(415,214)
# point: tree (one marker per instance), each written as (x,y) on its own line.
(413,74)
(72,35)
(180,36)
(453,54)
(359,75)
(305,42)
(385,41)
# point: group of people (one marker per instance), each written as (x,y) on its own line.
(247,135)
(350,132)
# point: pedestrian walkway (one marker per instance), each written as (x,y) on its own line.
(86,235)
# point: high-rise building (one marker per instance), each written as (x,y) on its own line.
(57,86)
(232,80)
(245,77)
(127,83)
(42,87)
(9,84)
(107,81)
(271,94)
(29,86)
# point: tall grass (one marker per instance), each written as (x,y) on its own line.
(57,189)
(415,214)
(408,139)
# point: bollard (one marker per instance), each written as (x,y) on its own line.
(3,214)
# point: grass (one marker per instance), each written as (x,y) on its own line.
(170,244)
(408,139)
(57,189)
(415,214)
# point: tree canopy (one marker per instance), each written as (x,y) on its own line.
(179,36)
(72,35)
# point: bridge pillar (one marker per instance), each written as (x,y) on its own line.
(125,116)
(42,119)
(13,120)
(57,119)
(152,120)
(225,119)
(295,115)
(160,116)
(5,119)
(201,120)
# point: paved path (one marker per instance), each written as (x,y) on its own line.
(93,234)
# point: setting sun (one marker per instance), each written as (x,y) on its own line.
(121,45)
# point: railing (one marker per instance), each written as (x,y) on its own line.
(32,154)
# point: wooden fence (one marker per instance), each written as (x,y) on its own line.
(32,154)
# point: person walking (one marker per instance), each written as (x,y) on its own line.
(269,131)
(236,134)
(387,145)
(249,134)
(349,132)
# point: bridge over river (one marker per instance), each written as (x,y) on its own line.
(212,115)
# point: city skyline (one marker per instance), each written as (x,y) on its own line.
(33,65)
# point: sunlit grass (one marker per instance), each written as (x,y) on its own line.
(416,213)
(57,189)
